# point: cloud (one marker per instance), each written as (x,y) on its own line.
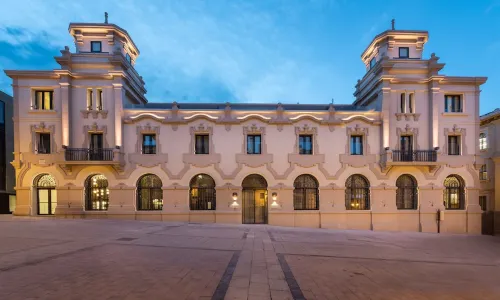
(206,51)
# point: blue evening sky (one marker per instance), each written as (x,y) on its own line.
(289,51)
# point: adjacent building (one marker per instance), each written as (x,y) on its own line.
(7,173)
(489,145)
(88,144)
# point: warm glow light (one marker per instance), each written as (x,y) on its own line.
(200,115)
(357,116)
(253,115)
(235,196)
(147,114)
(306,115)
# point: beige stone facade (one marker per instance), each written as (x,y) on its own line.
(406,148)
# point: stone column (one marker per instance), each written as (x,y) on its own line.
(332,207)
(435,98)
(65,112)
(383,207)
(118,108)
(70,201)
(176,203)
(121,202)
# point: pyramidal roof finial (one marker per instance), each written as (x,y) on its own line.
(393,23)
(105,18)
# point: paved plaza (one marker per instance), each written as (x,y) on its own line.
(108,259)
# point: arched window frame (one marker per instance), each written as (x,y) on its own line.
(454,192)
(306,193)
(149,193)
(202,197)
(357,193)
(96,192)
(406,192)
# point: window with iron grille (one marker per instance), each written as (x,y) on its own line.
(43,146)
(454,192)
(453,103)
(357,193)
(148,144)
(483,203)
(483,173)
(201,144)
(202,193)
(43,100)
(254,144)
(305,144)
(406,193)
(305,193)
(356,145)
(97,192)
(483,142)
(149,193)
(454,145)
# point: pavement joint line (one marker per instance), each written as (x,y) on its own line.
(223,286)
(174,247)
(35,247)
(166,228)
(290,279)
(394,260)
(49,258)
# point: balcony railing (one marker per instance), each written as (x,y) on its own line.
(83,154)
(417,156)
(148,149)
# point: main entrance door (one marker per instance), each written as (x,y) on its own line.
(46,194)
(254,199)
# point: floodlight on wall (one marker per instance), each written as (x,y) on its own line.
(235,203)
(275,204)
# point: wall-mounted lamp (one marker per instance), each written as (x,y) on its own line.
(274,196)
(235,201)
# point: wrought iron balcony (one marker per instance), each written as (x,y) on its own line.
(414,156)
(83,154)
(147,149)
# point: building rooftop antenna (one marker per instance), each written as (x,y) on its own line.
(393,24)
(105,18)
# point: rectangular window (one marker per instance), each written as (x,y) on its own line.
(404,52)
(454,145)
(356,145)
(149,144)
(411,104)
(483,203)
(373,61)
(43,146)
(99,100)
(483,173)
(201,144)
(254,144)
(128,58)
(90,99)
(403,103)
(483,143)
(95,46)
(43,100)
(453,103)
(305,144)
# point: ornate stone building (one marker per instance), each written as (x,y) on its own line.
(89,145)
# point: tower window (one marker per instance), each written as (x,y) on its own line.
(404,52)
(373,61)
(95,46)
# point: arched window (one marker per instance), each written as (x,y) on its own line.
(483,143)
(411,103)
(305,193)
(454,193)
(357,193)
(483,173)
(46,195)
(97,192)
(403,103)
(406,194)
(202,193)
(149,193)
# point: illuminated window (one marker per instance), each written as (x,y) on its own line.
(96,192)
(454,192)
(404,52)
(483,143)
(149,193)
(483,173)
(43,100)
(202,193)
(95,46)
(453,103)
(357,193)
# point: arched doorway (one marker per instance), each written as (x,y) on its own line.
(46,194)
(202,194)
(97,192)
(254,195)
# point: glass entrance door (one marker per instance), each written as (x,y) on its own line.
(254,206)
(47,201)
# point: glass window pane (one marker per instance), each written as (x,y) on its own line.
(47,99)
